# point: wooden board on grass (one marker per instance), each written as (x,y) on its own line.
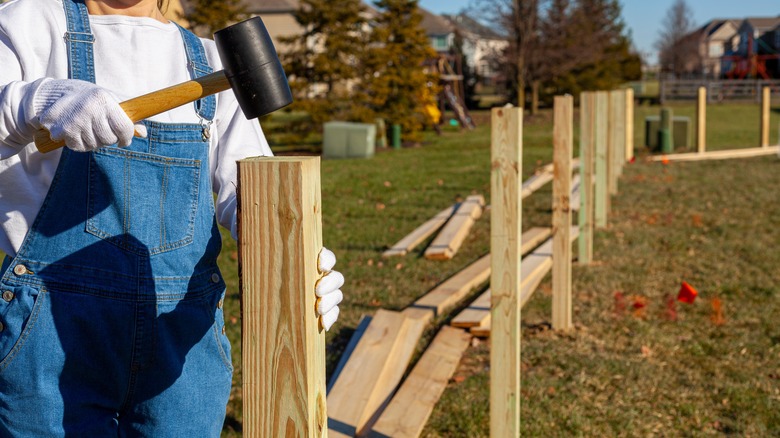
(412,405)
(451,291)
(372,372)
(451,237)
(718,155)
(416,237)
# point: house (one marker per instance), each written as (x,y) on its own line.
(710,45)
(482,48)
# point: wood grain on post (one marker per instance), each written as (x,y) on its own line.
(766,99)
(283,345)
(563,138)
(505,249)
(701,120)
(616,137)
(601,197)
(587,155)
(629,125)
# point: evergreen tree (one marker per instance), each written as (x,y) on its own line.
(396,84)
(208,16)
(323,62)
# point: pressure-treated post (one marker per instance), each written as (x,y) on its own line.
(616,137)
(766,99)
(701,121)
(283,345)
(563,134)
(587,155)
(505,226)
(629,113)
(601,197)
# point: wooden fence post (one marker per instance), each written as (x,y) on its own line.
(505,249)
(701,121)
(601,197)
(587,155)
(616,137)
(629,113)
(283,345)
(766,99)
(563,137)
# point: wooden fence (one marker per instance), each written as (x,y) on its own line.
(717,91)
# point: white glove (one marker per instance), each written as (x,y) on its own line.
(84,115)
(328,289)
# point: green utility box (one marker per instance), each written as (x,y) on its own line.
(681,131)
(348,140)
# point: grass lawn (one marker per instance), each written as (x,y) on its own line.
(664,369)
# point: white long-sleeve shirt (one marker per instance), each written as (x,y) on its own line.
(133,56)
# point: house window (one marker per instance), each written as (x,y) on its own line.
(716,50)
(440,42)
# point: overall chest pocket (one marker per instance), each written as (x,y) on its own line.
(143,203)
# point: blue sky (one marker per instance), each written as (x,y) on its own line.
(644,17)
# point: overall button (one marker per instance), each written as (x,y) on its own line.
(215,278)
(8,296)
(2,327)
(220,303)
(20,269)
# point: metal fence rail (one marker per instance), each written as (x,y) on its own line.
(717,91)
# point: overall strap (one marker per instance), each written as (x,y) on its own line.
(198,64)
(79,39)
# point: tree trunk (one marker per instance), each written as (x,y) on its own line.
(534,97)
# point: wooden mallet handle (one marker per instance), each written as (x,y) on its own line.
(156,102)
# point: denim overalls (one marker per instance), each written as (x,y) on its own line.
(110,317)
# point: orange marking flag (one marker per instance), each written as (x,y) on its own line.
(687,293)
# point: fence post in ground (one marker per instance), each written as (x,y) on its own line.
(766,99)
(629,113)
(616,137)
(505,230)
(601,197)
(701,120)
(283,345)
(587,158)
(563,135)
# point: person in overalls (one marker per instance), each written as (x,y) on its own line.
(111,299)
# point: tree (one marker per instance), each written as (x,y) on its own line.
(675,45)
(208,16)
(325,59)
(395,84)
(519,21)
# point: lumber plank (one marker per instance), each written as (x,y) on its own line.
(365,320)
(629,113)
(416,237)
(475,313)
(563,147)
(586,192)
(601,180)
(505,242)
(701,120)
(454,289)
(280,233)
(372,372)
(448,241)
(410,408)
(719,155)
(766,102)
(451,291)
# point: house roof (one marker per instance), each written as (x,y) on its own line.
(466,23)
(763,24)
(435,24)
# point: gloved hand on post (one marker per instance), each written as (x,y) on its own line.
(84,115)
(328,289)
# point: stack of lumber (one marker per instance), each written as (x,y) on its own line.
(533,268)
(448,241)
(381,349)
(416,237)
